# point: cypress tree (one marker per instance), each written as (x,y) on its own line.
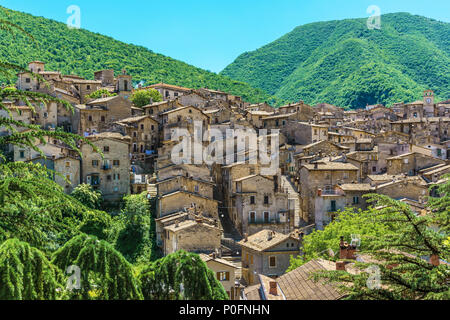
(181,275)
(105,273)
(26,274)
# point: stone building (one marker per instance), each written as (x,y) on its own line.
(100,115)
(110,175)
(320,177)
(168,91)
(267,253)
(225,272)
(411,163)
(261,204)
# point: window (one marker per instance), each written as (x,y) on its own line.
(252,199)
(67,164)
(106,149)
(252,217)
(90,118)
(374,169)
(142,127)
(27,80)
(345,175)
(116,163)
(134,134)
(45,115)
(95,163)
(88,87)
(272,262)
(266,199)
(103,118)
(223,276)
(333,205)
(196,188)
(266,217)
(116,176)
(355,200)
(153,128)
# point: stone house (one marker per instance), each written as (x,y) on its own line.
(255,117)
(225,272)
(261,204)
(169,92)
(144,133)
(267,253)
(110,175)
(413,188)
(157,108)
(67,170)
(323,175)
(196,236)
(190,184)
(306,133)
(182,118)
(100,115)
(365,161)
(327,203)
(411,163)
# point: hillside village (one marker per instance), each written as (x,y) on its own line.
(244,223)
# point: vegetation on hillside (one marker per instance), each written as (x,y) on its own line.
(81,52)
(346,64)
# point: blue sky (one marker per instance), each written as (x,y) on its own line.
(210,33)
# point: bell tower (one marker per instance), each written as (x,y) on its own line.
(428,97)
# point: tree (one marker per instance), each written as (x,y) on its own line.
(88,196)
(180,275)
(399,258)
(26,274)
(34,209)
(105,274)
(144,97)
(100,94)
(323,243)
(137,237)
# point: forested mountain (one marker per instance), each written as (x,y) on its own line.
(82,52)
(347,64)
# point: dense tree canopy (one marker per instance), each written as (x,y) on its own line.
(346,64)
(144,97)
(180,275)
(81,52)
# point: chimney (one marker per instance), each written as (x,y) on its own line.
(316,165)
(246,237)
(343,249)
(273,288)
(214,256)
(340,266)
(434,260)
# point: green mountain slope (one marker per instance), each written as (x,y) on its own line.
(345,63)
(82,52)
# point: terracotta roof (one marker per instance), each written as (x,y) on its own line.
(186,225)
(298,285)
(108,135)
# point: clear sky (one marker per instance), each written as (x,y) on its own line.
(210,33)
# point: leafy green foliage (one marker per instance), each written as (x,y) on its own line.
(180,275)
(100,93)
(322,243)
(26,274)
(137,237)
(88,196)
(143,97)
(82,52)
(105,274)
(346,64)
(399,257)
